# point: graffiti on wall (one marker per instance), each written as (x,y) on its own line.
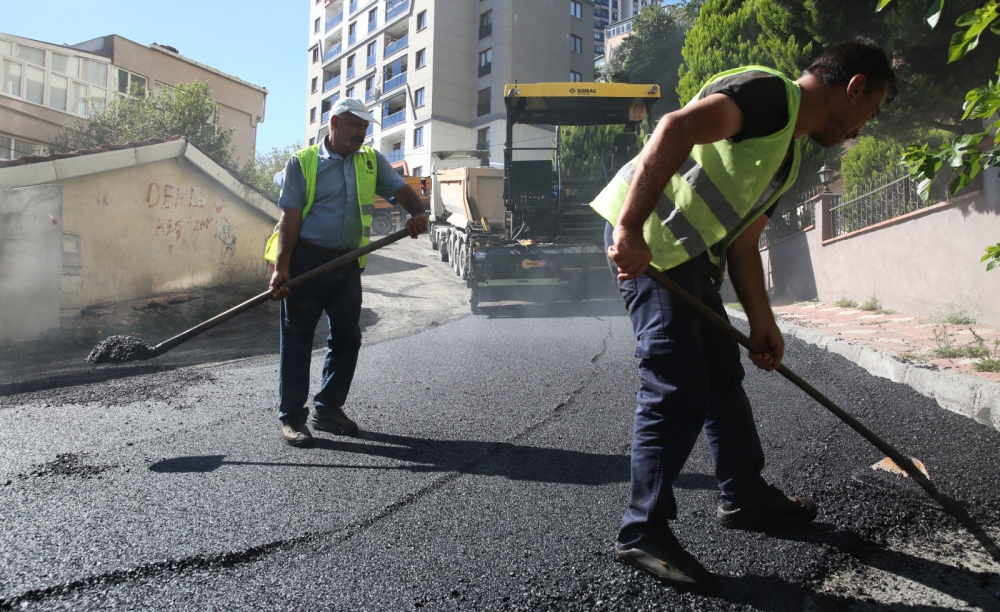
(192,211)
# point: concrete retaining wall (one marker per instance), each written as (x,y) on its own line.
(925,263)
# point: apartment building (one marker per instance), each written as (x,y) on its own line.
(44,85)
(608,12)
(434,70)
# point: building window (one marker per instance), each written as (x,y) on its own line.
(125,81)
(575,9)
(483,107)
(421,58)
(315,84)
(12,78)
(418,98)
(316,25)
(315,54)
(12,148)
(352,33)
(483,139)
(485,24)
(485,62)
(421,20)
(575,43)
(575,76)
(312,141)
(349,93)
(312,115)
(372,19)
(418,137)
(418,171)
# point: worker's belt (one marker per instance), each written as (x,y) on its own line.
(316,247)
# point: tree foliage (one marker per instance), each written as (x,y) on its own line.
(725,36)
(186,110)
(650,54)
(582,148)
(869,161)
(260,170)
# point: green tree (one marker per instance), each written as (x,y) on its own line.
(582,147)
(869,161)
(725,36)
(186,110)
(930,92)
(650,54)
(260,170)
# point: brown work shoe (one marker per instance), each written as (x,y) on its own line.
(667,560)
(333,420)
(772,509)
(296,434)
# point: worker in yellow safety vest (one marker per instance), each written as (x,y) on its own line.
(327,201)
(697,198)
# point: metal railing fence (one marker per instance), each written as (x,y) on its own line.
(792,216)
(887,197)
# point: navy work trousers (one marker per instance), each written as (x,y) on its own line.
(691,380)
(338,293)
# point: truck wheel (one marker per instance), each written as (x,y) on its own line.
(463,261)
(430,235)
(381,225)
(453,253)
(459,257)
(443,248)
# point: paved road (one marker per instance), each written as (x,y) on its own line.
(491,474)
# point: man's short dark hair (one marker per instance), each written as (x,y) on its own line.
(842,61)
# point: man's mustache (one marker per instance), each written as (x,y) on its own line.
(360,139)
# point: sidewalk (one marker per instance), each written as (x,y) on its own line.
(933,357)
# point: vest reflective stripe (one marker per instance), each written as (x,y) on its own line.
(366,177)
(716,193)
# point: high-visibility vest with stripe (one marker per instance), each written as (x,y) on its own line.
(717,192)
(366,173)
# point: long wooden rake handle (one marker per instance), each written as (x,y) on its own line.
(901,460)
(183,337)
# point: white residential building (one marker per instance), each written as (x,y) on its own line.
(434,70)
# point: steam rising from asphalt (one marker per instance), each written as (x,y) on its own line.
(119,349)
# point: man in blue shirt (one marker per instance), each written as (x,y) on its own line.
(331,227)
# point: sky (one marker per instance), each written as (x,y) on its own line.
(264,43)
(258,41)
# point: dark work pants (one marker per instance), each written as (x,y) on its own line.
(338,293)
(690,381)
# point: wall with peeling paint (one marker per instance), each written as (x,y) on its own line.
(158,227)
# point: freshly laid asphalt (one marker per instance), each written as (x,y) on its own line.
(491,474)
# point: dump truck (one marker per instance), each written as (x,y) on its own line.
(523,231)
(388,214)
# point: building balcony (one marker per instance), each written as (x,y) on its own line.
(484,70)
(333,52)
(372,26)
(350,72)
(334,21)
(397,81)
(396,46)
(369,61)
(482,109)
(395,10)
(330,84)
(369,95)
(352,7)
(396,156)
(394,119)
(485,31)
(351,39)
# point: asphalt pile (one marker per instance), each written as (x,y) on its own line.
(119,349)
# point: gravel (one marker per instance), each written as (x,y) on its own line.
(119,349)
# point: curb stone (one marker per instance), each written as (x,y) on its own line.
(967,395)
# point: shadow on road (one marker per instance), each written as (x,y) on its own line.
(513,461)
(381,264)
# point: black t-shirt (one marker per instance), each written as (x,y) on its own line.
(763,99)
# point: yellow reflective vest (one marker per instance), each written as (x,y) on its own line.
(716,193)
(366,173)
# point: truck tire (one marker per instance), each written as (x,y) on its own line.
(381,225)
(443,247)
(463,261)
(430,235)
